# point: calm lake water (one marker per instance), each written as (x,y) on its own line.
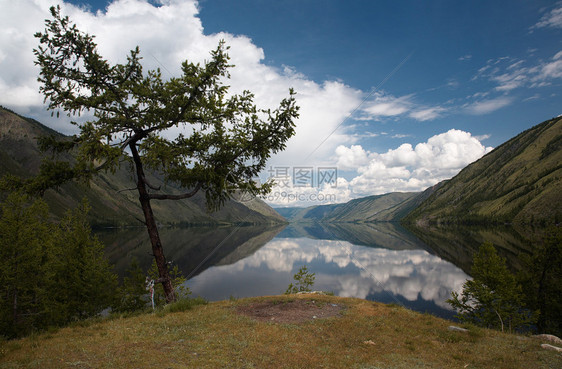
(380,261)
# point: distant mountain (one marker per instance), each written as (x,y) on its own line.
(518,182)
(380,208)
(108,194)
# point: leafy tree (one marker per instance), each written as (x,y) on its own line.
(541,281)
(303,281)
(226,142)
(492,298)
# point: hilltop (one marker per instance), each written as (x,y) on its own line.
(278,331)
(109,194)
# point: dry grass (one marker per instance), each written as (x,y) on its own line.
(367,335)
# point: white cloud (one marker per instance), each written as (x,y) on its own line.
(404,169)
(409,168)
(427,113)
(553,19)
(351,157)
(488,106)
(509,74)
(385,105)
(167,35)
(552,69)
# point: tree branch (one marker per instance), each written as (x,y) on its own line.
(186,195)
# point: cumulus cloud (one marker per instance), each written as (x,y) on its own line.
(403,169)
(351,157)
(411,168)
(167,35)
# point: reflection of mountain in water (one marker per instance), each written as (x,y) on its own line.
(458,244)
(381,234)
(193,249)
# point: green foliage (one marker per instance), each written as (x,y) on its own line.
(231,138)
(229,144)
(50,273)
(25,258)
(541,280)
(492,298)
(303,281)
(86,282)
(131,295)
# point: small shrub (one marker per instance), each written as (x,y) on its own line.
(304,280)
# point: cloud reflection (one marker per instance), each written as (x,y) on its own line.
(343,268)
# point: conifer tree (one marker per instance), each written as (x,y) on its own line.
(229,139)
(50,273)
(492,298)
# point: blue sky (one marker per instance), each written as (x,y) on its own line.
(413,91)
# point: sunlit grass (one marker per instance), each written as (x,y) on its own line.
(366,335)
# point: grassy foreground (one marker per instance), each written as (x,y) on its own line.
(366,335)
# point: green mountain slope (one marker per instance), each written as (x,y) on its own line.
(109,194)
(380,208)
(519,182)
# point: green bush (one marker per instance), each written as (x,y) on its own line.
(304,280)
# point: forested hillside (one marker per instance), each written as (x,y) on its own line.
(109,194)
(518,182)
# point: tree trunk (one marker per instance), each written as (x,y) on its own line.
(152,228)
(157,249)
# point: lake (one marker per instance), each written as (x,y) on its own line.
(376,261)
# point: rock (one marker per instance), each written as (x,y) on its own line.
(549,338)
(546,346)
(456,329)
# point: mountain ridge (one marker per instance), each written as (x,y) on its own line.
(112,204)
(517,182)
(390,207)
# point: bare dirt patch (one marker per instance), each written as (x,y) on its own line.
(290,311)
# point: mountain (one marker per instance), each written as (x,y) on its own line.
(380,208)
(109,194)
(518,182)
